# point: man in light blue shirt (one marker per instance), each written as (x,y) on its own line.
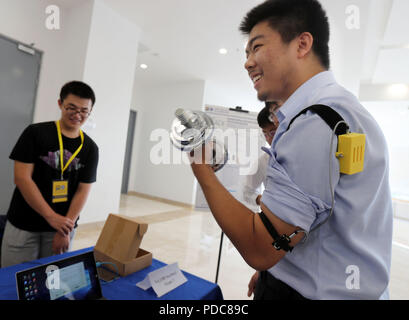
(358,236)
(347,257)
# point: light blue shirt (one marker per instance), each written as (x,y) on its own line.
(348,257)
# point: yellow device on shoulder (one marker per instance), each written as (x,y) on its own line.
(351,146)
(351,153)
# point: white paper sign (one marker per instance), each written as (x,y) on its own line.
(163,280)
(145,284)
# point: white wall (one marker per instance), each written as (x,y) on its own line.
(231,97)
(346,47)
(76,25)
(393,118)
(382,92)
(109,69)
(155,106)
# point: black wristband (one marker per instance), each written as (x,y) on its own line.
(280,242)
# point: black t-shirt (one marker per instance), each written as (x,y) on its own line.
(39,145)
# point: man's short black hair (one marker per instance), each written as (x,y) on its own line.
(290,18)
(263,117)
(79,89)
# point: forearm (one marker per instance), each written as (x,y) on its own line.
(31,193)
(244,228)
(236,220)
(78,203)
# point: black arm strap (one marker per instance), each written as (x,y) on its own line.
(280,242)
(329,115)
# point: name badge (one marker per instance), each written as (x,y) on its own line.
(60,191)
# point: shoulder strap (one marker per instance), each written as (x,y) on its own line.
(329,115)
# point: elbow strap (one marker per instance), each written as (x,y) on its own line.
(280,242)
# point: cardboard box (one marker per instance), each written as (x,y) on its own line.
(119,243)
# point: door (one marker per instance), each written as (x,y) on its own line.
(128,151)
(19,74)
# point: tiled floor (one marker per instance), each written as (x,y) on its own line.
(192,238)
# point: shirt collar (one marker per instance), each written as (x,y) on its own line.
(304,95)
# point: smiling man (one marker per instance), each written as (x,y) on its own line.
(317,224)
(55,164)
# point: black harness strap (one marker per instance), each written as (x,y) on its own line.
(329,115)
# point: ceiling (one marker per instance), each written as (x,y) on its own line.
(180,41)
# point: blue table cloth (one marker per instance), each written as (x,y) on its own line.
(123,288)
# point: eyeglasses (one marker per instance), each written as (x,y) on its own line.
(72,111)
(270,133)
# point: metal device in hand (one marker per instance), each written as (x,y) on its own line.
(191,130)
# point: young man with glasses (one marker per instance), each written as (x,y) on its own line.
(55,164)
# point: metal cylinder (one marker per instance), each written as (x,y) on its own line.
(191,130)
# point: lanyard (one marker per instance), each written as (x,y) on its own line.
(63,168)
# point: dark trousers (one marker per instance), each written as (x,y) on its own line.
(270,288)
